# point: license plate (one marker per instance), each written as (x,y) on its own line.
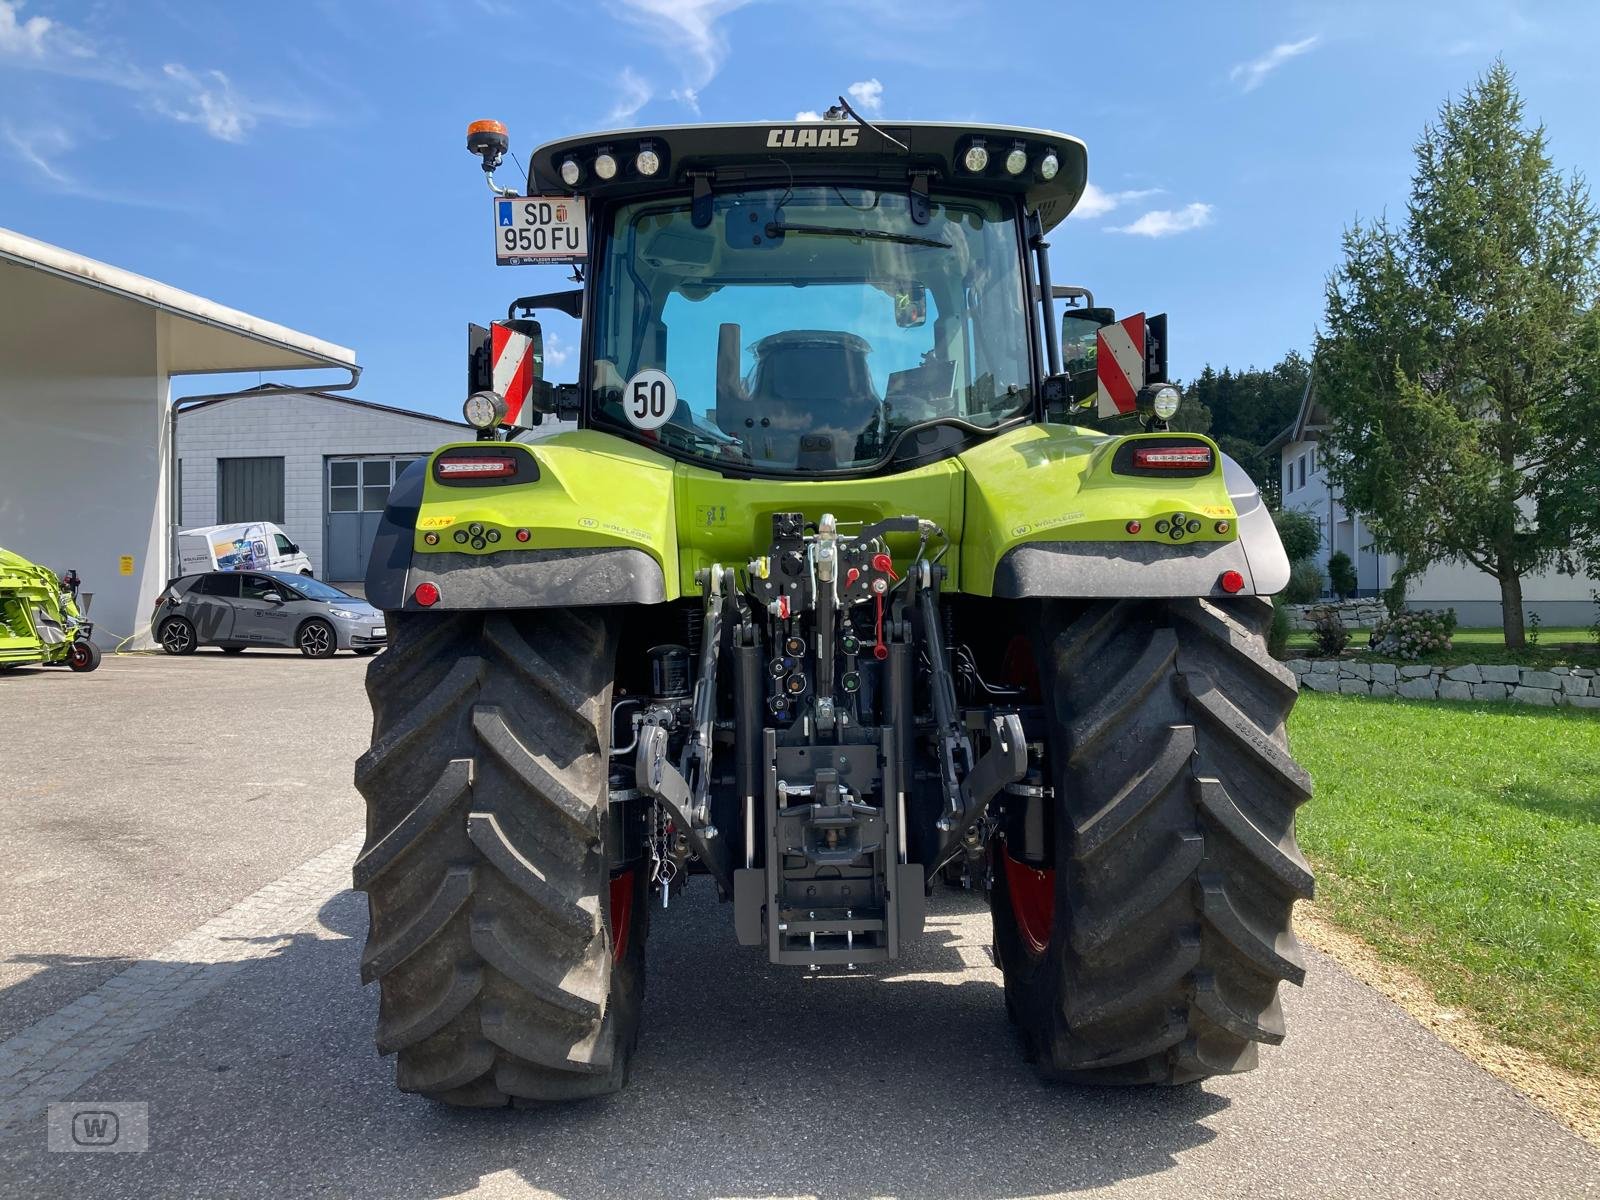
(535,229)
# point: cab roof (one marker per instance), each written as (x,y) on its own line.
(754,152)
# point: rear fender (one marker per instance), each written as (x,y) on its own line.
(597,513)
(1048,516)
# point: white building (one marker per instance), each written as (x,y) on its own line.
(318,464)
(88,353)
(1558,599)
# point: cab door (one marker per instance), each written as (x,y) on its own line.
(258,621)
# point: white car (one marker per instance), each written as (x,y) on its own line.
(246,546)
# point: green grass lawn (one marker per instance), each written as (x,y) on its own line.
(1558,646)
(1464,842)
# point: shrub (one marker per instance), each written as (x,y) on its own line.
(1299,532)
(1305,583)
(1413,634)
(1535,621)
(1278,631)
(1329,633)
(1394,596)
(1341,575)
(1594,630)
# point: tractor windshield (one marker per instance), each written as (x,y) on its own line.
(805,328)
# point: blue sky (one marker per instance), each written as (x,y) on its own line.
(306,161)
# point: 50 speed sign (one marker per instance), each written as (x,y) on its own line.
(540,229)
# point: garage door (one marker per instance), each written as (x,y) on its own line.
(358,488)
(249,489)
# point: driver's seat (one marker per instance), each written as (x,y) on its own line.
(811,399)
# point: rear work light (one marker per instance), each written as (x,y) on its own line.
(496,467)
(1171,458)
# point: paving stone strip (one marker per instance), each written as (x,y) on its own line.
(55,1056)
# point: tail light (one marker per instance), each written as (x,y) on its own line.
(492,464)
(1151,458)
(1172,455)
(489,467)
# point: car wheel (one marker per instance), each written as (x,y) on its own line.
(177,636)
(306,572)
(233,649)
(316,639)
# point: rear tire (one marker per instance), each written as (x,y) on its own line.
(492,906)
(177,636)
(1149,947)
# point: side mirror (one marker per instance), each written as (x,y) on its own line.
(911,306)
(273,598)
(516,348)
(1078,329)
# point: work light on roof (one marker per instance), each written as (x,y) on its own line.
(571,172)
(1166,402)
(1017,160)
(648,162)
(605,165)
(1048,166)
(977,157)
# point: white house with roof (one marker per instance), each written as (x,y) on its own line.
(88,356)
(1558,599)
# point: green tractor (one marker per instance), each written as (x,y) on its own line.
(41,622)
(824,597)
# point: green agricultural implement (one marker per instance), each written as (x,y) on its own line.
(825,597)
(40,620)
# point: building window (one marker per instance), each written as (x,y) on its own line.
(1288,478)
(1302,471)
(249,489)
(1313,460)
(362,485)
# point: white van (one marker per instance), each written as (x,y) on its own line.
(251,546)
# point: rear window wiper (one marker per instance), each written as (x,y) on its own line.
(779,228)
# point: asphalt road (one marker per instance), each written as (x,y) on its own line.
(173,930)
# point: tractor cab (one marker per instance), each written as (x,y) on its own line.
(828,298)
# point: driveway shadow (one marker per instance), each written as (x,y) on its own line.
(750,1081)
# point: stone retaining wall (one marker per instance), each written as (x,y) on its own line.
(1574,686)
(1353,614)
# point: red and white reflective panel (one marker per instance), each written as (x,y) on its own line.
(1171,458)
(511,356)
(1119,364)
(475,468)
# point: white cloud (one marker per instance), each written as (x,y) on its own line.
(22,38)
(1249,75)
(1096,203)
(632,94)
(1164,222)
(691,28)
(207,100)
(204,98)
(41,149)
(808,114)
(868,95)
(556,352)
